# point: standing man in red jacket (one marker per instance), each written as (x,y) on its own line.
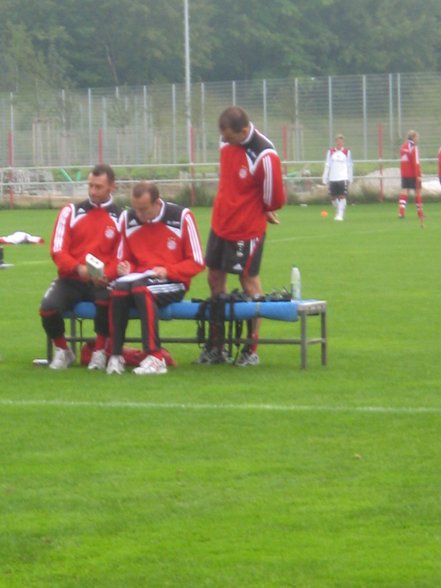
(90,226)
(159,253)
(410,171)
(250,190)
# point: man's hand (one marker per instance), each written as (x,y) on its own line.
(83,272)
(272,217)
(160,272)
(101,282)
(123,268)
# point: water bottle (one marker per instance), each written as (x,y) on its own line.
(296,283)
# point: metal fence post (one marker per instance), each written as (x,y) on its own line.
(391,113)
(203,124)
(174,148)
(265,108)
(365,144)
(330,112)
(400,130)
(89,119)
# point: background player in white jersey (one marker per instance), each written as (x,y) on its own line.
(338,175)
(160,238)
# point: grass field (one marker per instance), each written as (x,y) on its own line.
(216,476)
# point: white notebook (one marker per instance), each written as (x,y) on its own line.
(136,276)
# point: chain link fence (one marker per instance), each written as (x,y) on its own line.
(53,137)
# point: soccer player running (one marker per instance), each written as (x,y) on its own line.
(160,240)
(338,173)
(250,190)
(410,171)
(90,226)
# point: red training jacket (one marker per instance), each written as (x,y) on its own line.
(250,183)
(171,240)
(81,229)
(409,160)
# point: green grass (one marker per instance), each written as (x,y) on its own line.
(220,477)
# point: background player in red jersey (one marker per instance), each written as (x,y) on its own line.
(160,240)
(250,189)
(88,227)
(410,171)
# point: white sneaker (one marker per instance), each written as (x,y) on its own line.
(151,365)
(116,364)
(247,358)
(98,360)
(338,217)
(63,358)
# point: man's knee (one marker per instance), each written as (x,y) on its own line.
(53,323)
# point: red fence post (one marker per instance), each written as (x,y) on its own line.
(100,146)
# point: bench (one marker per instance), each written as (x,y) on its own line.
(287,311)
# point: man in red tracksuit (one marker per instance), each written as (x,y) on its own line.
(159,253)
(410,171)
(250,190)
(88,227)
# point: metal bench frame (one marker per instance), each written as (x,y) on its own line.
(304,310)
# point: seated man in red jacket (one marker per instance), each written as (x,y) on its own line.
(90,226)
(159,253)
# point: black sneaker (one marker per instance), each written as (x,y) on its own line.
(212,356)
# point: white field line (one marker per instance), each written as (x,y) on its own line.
(323,235)
(189,406)
(36,262)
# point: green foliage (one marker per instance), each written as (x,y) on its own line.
(131,42)
(198,195)
(224,477)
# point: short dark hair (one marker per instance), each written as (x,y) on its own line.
(234,118)
(142,188)
(102,169)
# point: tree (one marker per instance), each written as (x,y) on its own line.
(32,45)
(89,43)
